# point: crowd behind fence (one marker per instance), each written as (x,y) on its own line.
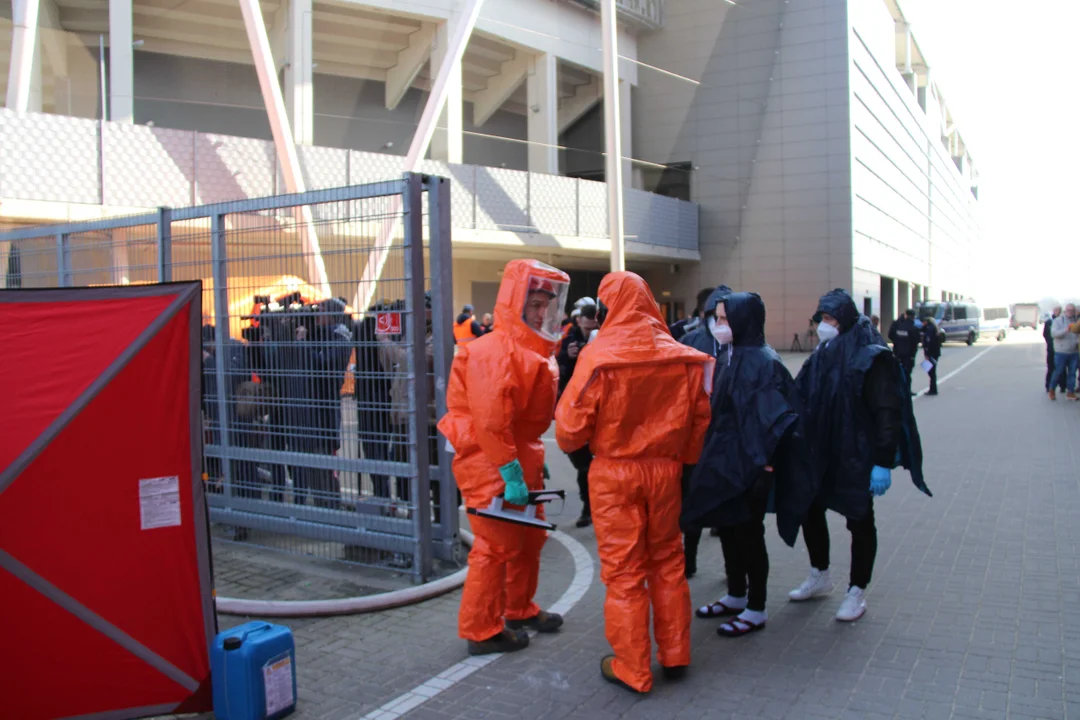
(319,416)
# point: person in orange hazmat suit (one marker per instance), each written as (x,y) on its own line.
(500,400)
(640,400)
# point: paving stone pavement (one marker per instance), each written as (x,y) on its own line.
(974,611)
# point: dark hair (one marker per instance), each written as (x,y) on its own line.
(702,298)
(588,311)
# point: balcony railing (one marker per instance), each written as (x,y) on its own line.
(72,160)
(643,13)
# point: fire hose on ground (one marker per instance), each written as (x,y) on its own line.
(349,605)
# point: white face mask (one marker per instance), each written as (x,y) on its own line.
(826,332)
(722,333)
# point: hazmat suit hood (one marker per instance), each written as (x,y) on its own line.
(755,422)
(513,294)
(633,332)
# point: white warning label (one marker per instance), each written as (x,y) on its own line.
(278,682)
(159,502)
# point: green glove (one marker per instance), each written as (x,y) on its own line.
(516,492)
(547,473)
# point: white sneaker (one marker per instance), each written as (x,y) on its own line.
(817,584)
(853,607)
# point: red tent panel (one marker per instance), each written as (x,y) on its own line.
(120,601)
(53,351)
(66,668)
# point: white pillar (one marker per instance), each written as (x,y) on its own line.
(542,92)
(299,83)
(283,140)
(121,62)
(24,53)
(447,144)
(612,134)
(459,36)
(630,174)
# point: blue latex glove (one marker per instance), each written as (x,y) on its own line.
(516,492)
(880,480)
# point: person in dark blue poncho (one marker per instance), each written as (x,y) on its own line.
(860,425)
(753,450)
(703,339)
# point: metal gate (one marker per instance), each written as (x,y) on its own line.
(318,413)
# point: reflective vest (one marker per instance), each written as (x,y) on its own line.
(463,332)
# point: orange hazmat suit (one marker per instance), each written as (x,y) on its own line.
(500,400)
(639,399)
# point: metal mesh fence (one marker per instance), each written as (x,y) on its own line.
(319,383)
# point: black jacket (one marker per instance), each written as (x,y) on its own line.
(905,338)
(567,363)
(931,340)
(1048,334)
(858,411)
(754,424)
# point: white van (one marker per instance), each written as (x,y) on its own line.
(995,322)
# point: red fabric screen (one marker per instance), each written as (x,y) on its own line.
(75,517)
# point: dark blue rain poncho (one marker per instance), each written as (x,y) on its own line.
(754,423)
(700,338)
(840,424)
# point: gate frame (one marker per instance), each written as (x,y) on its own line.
(425,540)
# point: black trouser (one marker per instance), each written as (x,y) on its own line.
(746,559)
(933,376)
(318,484)
(582,460)
(691,536)
(908,363)
(863,543)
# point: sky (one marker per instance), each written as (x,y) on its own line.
(1008,72)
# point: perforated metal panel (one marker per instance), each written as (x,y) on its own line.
(147,166)
(463,195)
(49,157)
(323,167)
(553,204)
(592,209)
(502,200)
(232,168)
(372,167)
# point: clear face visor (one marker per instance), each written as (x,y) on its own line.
(544,304)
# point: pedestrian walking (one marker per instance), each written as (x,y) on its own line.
(1066,353)
(932,340)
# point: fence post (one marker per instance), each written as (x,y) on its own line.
(63,260)
(164,244)
(221,332)
(416,336)
(442,317)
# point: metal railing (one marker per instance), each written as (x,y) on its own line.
(137,166)
(319,418)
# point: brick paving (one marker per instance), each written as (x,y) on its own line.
(974,611)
